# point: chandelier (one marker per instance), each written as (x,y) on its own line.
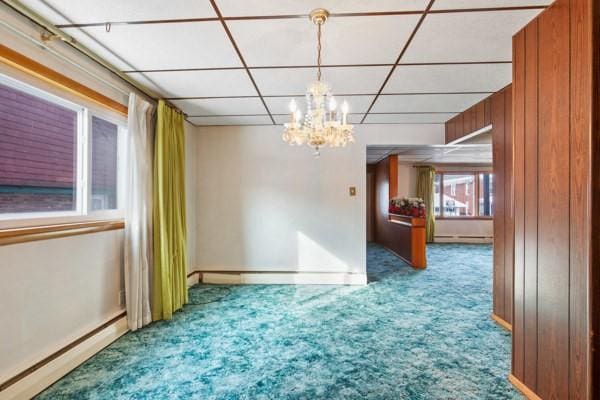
(322,125)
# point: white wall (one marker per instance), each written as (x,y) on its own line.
(55,291)
(263,205)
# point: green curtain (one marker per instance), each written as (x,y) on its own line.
(170,250)
(425,178)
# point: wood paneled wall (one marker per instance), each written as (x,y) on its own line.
(469,121)
(501,118)
(553,164)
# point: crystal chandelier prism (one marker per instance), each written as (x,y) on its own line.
(322,125)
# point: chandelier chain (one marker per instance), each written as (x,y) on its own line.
(319,51)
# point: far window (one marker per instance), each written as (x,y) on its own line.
(57,158)
(463,195)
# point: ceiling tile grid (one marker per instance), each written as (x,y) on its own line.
(458,55)
(345,40)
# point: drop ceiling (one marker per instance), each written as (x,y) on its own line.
(480,154)
(234,62)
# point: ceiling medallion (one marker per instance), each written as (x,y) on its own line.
(322,125)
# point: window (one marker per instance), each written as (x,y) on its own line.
(463,195)
(486,195)
(437,191)
(105,145)
(57,158)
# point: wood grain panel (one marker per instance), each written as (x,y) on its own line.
(471,120)
(498,149)
(519,199)
(530,198)
(553,206)
(488,111)
(580,192)
(560,168)
(509,227)
(480,114)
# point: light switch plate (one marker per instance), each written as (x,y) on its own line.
(352,191)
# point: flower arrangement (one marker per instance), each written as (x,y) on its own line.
(409,206)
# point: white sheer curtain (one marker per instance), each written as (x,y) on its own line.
(138,214)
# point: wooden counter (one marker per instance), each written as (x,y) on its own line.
(404,236)
(407,239)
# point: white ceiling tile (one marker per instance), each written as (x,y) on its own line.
(408,118)
(90,11)
(280,105)
(449,78)
(344,80)
(462,4)
(201,83)
(472,36)
(426,102)
(241,120)
(232,106)
(167,46)
(236,8)
(346,40)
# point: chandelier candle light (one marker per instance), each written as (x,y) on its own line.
(322,124)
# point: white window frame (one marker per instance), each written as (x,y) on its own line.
(82,211)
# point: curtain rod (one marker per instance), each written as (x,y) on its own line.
(53,30)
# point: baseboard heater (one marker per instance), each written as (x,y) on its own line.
(464,238)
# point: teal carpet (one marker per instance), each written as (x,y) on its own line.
(407,335)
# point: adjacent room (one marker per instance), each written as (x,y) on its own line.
(321,199)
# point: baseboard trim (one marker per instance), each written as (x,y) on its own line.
(502,322)
(283,278)
(193,278)
(44,373)
(522,388)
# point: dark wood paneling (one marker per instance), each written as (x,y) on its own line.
(519,197)
(553,206)
(470,120)
(499,149)
(579,216)
(555,124)
(595,200)
(530,199)
(509,227)
(480,114)
(487,103)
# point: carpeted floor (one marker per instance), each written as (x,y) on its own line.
(407,335)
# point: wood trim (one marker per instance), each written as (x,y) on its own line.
(60,352)
(404,49)
(46,232)
(305,66)
(240,56)
(502,322)
(522,388)
(31,67)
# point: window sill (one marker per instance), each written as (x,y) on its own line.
(46,232)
